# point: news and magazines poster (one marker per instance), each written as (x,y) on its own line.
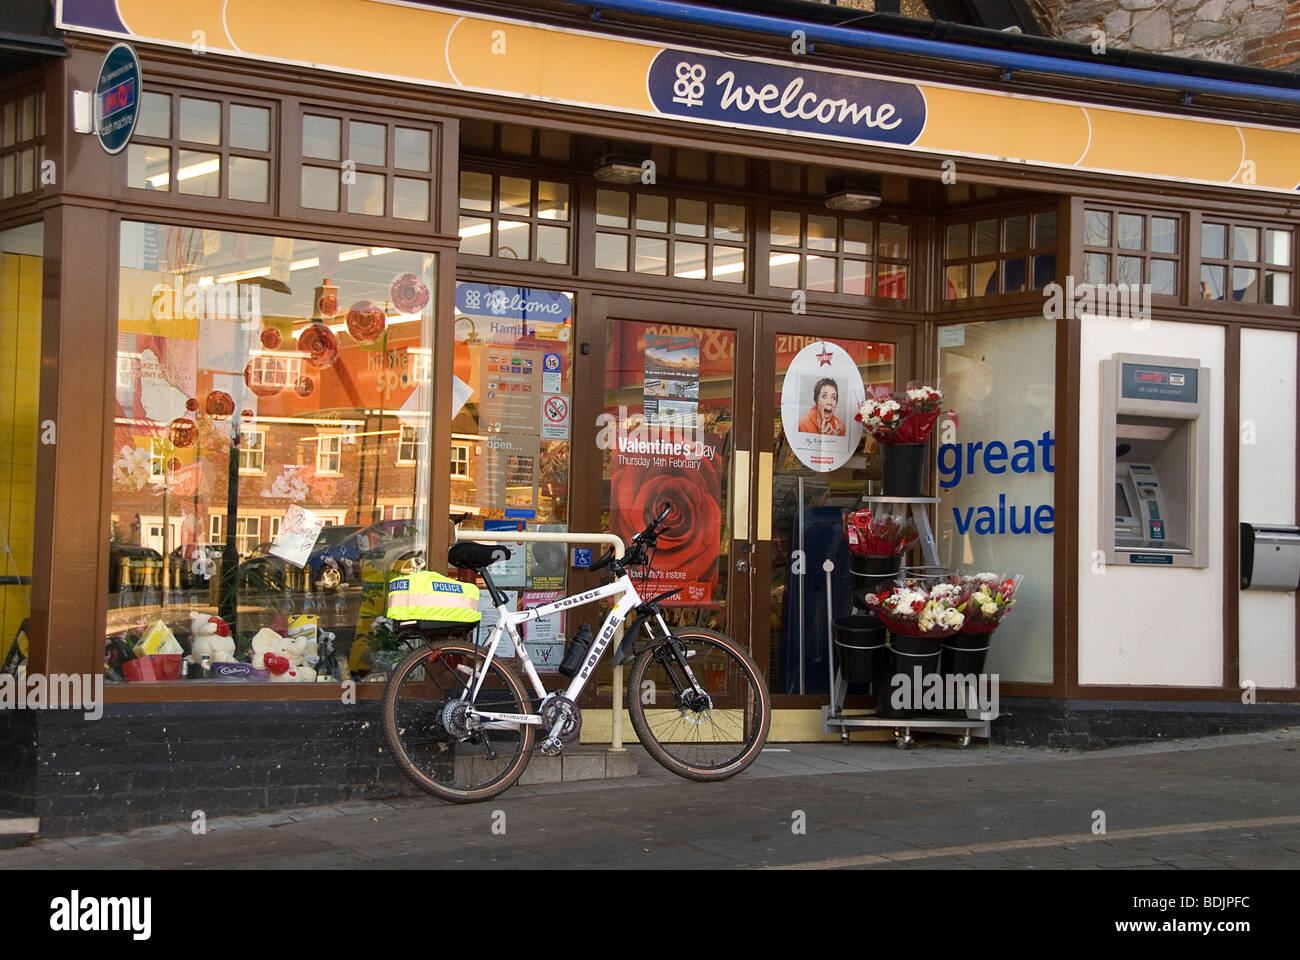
(544,638)
(666,448)
(819,402)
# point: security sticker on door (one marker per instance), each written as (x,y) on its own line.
(555,417)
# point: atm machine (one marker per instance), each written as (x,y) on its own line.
(1154,458)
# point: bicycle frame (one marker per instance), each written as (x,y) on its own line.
(510,621)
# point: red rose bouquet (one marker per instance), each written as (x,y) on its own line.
(909,418)
(882,535)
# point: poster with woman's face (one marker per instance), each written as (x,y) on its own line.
(819,399)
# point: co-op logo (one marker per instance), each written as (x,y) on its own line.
(689,84)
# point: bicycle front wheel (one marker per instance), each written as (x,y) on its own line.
(434,741)
(709,736)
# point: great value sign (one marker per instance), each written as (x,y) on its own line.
(690,84)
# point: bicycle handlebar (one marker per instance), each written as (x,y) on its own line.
(648,533)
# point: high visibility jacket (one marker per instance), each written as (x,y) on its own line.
(429,596)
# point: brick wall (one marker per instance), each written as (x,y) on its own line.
(1280,50)
(144,764)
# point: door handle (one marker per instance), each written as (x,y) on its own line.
(742,566)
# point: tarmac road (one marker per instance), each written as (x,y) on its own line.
(1230,803)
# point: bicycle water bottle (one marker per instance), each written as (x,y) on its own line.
(576,652)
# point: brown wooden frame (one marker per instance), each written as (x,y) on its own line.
(76,348)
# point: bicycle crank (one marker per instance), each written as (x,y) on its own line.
(563,718)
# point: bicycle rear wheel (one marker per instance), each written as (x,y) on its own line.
(701,738)
(425,723)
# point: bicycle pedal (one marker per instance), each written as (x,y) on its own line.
(552,747)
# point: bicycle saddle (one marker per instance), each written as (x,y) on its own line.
(476,556)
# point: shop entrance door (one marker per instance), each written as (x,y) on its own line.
(673,418)
(811,467)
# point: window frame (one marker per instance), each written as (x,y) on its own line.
(1197,261)
(457,461)
(1181,257)
(245,450)
(175,145)
(403,443)
(295,162)
(494,216)
(334,439)
(1028,253)
(801,206)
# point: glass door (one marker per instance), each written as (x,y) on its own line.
(813,465)
(673,428)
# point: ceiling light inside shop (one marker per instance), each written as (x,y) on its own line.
(852,193)
(730,268)
(618,168)
(158,181)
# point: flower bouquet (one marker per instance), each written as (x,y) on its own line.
(878,535)
(909,419)
(902,425)
(909,612)
(990,598)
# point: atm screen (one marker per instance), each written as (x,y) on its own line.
(1122,510)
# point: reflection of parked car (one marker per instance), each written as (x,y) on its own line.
(183,559)
(337,557)
(136,559)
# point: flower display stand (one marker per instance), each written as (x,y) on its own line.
(974,723)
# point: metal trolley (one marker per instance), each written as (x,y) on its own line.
(975,723)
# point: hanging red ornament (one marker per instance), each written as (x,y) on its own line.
(173,464)
(271,338)
(305,386)
(409,293)
(366,321)
(320,345)
(219,404)
(191,404)
(247,414)
(182,432)
(265,375)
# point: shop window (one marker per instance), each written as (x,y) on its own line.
(252,451)
(1246,262)
(829,253)
(511,438)
(997,254)
(407,439)
(236,354)
(402,512)
(1133,247)
(514,218)
(1000,376)
(22,144)
(366,167)
(672,236)
(202,145)
(460,461)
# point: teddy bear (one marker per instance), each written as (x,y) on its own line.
(286,659)
(211,636)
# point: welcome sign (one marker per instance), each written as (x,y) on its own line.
(723,89)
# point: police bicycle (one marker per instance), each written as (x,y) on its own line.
(462,724)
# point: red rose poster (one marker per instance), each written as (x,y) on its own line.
(666,448)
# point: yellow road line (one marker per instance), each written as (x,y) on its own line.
(1063,839)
